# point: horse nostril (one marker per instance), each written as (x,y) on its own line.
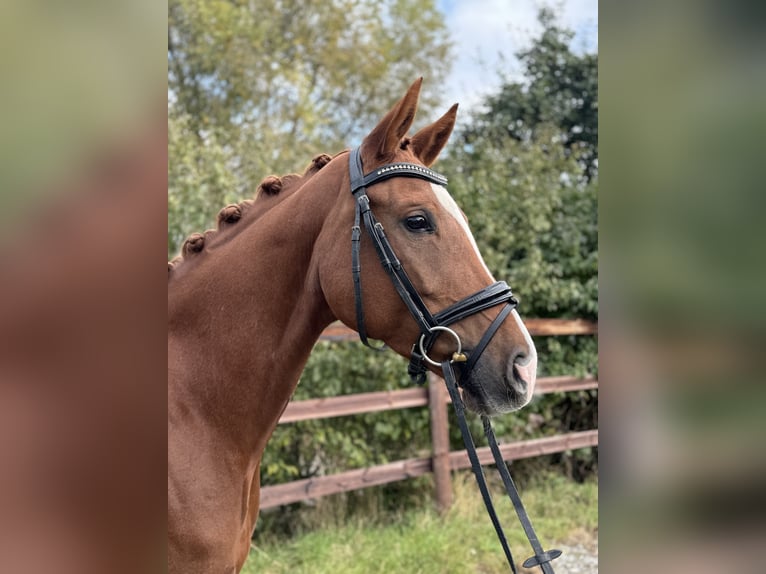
(521,358)
(523,369)
(519,378)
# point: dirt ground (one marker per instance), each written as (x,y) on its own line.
(578,559)
(579,556)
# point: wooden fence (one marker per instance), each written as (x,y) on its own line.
(442,461)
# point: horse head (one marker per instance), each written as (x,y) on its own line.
(430,236)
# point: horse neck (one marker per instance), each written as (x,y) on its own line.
(243,322)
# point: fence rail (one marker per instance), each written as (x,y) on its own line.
(434,396)
(403,469)
(362,403)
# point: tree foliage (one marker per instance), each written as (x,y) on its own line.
(535,227)
(200,180)
(258,87)
(559,90)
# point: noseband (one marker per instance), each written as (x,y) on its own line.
(431,326)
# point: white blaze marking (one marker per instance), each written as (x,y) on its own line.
(449,204)
(527,336)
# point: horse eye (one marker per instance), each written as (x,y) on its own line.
(418,223)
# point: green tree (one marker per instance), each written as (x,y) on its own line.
(526,171)
(535,226)
(259,87)
(559,89)
(200,180)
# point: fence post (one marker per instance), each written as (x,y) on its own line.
(437,406)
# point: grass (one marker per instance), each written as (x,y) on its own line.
(420,541)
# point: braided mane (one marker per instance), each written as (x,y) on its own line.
(271,191)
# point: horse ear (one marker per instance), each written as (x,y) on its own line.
(384,139)
(429,141)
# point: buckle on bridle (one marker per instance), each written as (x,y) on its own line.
(364,203)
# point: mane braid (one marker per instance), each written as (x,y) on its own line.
(271,191)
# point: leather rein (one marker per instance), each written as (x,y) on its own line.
(431,327)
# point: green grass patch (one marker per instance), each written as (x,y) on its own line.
(420,541)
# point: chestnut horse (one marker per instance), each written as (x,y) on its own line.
(247,303)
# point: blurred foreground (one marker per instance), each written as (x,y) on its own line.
(682,281)
(83,179)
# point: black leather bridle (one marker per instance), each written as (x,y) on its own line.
(431,327)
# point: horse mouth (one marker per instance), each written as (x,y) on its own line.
(493,395)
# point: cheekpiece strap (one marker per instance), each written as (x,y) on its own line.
(355,171)
(363,216)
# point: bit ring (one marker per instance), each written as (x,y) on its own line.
(455,336)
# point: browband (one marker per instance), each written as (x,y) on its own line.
(360,180)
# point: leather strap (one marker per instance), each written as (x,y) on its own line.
(487,337)
(481,481)
(391,264)
(541,558)
(495,294)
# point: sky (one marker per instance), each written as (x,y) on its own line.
(482,29)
